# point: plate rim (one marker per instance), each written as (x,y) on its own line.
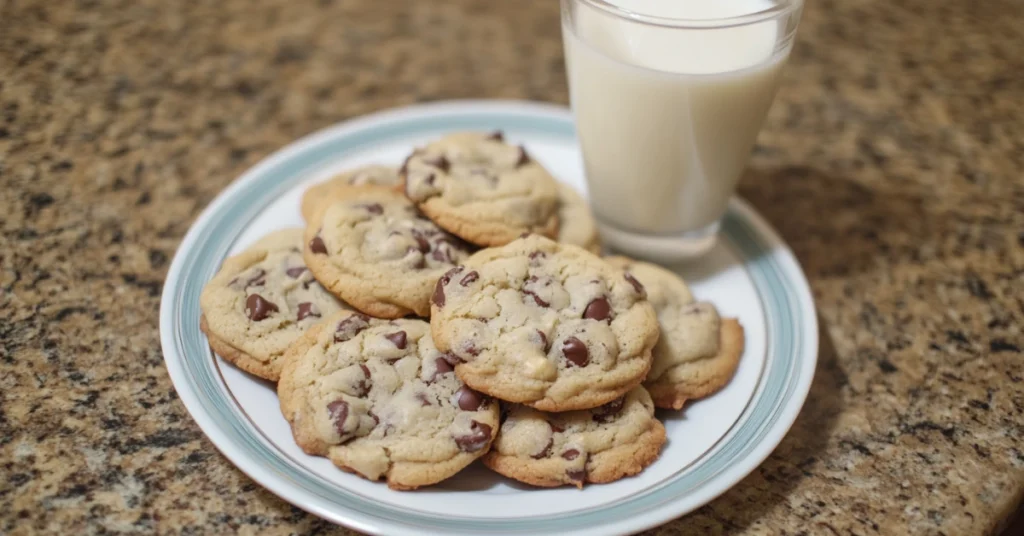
(765,237)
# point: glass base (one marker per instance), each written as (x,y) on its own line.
(668,248)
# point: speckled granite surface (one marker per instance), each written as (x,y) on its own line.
(893,163)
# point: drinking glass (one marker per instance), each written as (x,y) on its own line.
(668,98)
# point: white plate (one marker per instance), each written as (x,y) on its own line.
(712,443)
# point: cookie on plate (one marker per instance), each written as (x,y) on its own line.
(698,351)
(317,195)
(261,301)
(371,247)
(482,189)
(576,224)
(378,399)
(598,445)
(544,324)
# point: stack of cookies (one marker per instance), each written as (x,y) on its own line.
(456,308)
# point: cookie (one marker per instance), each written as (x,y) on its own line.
(576,224)
(482,189)
(698,351)
(372,248)
(598,445)
(316,196)
(544,324)
(378,399)
(261,301)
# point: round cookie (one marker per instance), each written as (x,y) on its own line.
(319,194)
(544,324)
(261,301)
(378,399)
(598,445)
(698,351)
(371,247)
(482,189)
(576,224)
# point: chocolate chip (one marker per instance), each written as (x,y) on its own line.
(338,411)
(316,245)
(598,309)
(350,327)
(525,234)
(523,157)
(295,272)
(478,437)
(468,399)
(452,359)
(636,284)
(439,162)
(421,241)
(364,385)
(424,401)
(576,352)
(257,307)
(536,254)
(438,297)
(441,255)
(497,135)
(257,280)
(609,411)
(543,340)
(471,277)
(557,428)
(441,367)
(306,309)
(376,420)
(373,208)
(398,338)
(537,299)
(430,179)
(546,451)
(576,475)
(420,263)
(471,349)
(571,454)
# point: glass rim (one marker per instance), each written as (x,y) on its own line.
(780,8)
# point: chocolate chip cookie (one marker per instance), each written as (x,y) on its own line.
(698,351)
(544,324)
(378,399)
(261,301)
(317,195)
(482,189)
(598,445)
(576,224)
(371,247)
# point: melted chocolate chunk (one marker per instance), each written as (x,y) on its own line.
(338,411)
(350,327)
(295,272)
(306,309)
(576,475)
(575,352)
(424,401)
(639,288)
(468,399)
(316,245)
(258,279)
(609,411)
(469,278)
(364,385)
(497,135)
(536,299)
(373,208)
(571,454)
(523,157)
(257,307)
(477,438)
(399,338)
(546,451)
(438,297)
(598,309)
(441,367)
(544,341)
(440,162)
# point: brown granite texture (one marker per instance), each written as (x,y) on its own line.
(892,162)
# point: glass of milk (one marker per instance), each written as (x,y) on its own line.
(668,97)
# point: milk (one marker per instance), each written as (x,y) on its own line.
(667,117)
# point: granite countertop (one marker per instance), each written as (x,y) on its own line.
(892,162)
